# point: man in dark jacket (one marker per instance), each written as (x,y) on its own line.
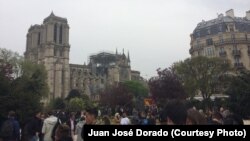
(10,129)
(34,127)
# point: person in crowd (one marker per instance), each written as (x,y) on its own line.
(48,126)
(175,113)
(90,118)
(143,118)
(72,124)
(117,119)
(217,118)
(63,132)
(106,120)
(33,128)
(125,120)
(10,130)
(62,116)
(79,126)
(41,135)
(233,119)
(194,117)
(151,119)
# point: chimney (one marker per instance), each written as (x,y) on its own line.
(248,15)
(230,13)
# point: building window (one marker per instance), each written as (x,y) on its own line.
(62,77)
(246,36)
(61,53)
(198,34)
(55,32)
(221,39)
(199,53)
(235,47)
(210,51)
(209,42)
(220,28)
(237,59)
(38,38)
(222,49)
(208,31)
(60,36)
(198,43)
(233,37)
(55,52)
(231,28)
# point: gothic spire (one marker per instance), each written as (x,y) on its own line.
(52,14)
(128,57)
(116,52)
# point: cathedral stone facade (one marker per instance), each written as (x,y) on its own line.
(48,44)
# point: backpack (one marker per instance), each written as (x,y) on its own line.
(54,129)
(7,129)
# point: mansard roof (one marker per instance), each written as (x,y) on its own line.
(219,24)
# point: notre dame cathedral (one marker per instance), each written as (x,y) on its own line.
(48,44)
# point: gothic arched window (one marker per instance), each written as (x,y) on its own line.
(38,38)
(55,32)
(60,34)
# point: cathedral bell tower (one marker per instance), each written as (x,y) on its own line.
(48,44)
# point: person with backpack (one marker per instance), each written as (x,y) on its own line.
(10,130)
(48,126)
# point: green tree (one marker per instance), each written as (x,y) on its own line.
(23,88)
(28,90)
(75,105)
(57,103)
(33,80)
(239,94)
(137,88)
(202,75)
(73,94)
(4,84)
(139,92)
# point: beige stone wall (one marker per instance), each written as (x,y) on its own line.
(228,44)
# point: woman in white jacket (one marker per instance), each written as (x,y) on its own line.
(48,126)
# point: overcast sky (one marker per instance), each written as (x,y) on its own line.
(155,32)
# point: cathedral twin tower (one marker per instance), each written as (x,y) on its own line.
(48,44)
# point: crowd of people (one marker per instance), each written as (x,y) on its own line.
(62,126)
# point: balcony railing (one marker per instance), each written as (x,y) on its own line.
(232,41)
(222,53)
(238,65)
(236,52)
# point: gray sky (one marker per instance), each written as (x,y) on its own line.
(156,32)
